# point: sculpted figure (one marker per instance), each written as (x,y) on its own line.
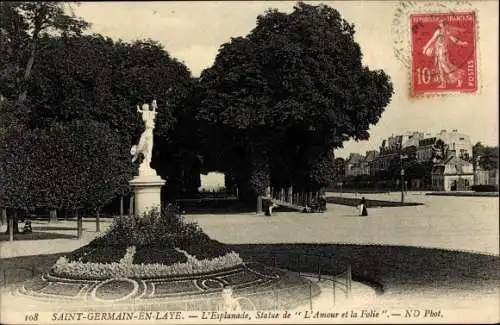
(145,146)
(229,302)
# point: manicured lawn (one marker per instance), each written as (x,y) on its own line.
(391,269)
(476,194)
(36,236)
(369,202)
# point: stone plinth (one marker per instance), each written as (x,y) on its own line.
(147,191)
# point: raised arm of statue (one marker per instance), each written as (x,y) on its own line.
(139,110)
(154,105)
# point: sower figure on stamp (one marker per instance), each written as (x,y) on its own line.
(437,46)
(145,145)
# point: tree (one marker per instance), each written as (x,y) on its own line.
(109,88)
(485,157)
(21,27)
(339,166)
(300,74)
(19,157)
(86,165)
(79,165)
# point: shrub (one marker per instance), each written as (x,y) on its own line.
(484,188)
(158,254)
(98,254)
(156,235)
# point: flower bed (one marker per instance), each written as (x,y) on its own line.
(155,237)
(155,245)
(124,269)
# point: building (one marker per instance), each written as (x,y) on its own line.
(486,177)
(443,144)
(367,165)
(353,165)
(358,165)
(453,174)
(428,148)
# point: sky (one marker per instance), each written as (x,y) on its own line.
(193,31)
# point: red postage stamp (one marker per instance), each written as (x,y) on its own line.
(443,53)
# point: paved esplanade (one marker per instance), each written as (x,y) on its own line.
(455,223)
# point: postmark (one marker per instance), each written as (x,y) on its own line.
(443,52)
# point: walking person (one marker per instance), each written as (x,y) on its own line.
(362,207)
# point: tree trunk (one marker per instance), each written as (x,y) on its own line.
(29,66)
(121,205)
(53,215)
(11,229)
(97,221)
(259,204)
(79,225)
(12,225)
(131,205)
(3,220)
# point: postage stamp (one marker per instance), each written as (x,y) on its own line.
(443,52)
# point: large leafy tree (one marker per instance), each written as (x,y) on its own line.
(294,88)
(339,164)
(105,80)
(485,157)
(22,24)
(85,164)
(76,165)
(179,157)
(19,155)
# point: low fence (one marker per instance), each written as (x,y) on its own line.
(321,267)
(296,198)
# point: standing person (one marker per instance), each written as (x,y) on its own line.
(362,207)
(322,202)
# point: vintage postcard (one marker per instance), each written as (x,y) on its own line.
(234,162)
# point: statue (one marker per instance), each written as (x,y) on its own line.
(145,145)
(229,303)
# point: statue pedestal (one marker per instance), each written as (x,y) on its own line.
(147,191)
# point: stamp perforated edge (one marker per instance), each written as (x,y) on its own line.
(421,7)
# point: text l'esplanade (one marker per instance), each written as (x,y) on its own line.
(436,19)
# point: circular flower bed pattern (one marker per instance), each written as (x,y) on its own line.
(159,259)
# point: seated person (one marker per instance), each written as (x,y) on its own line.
(27,227)
(268,205)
